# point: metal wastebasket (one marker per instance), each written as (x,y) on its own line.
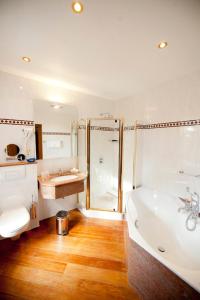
(62,222)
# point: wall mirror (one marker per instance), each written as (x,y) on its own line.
(55,130)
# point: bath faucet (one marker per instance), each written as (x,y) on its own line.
(186,201)
(187,206)
(193,216)
(192,206)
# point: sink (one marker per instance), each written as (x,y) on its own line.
(63,178)
(57,187)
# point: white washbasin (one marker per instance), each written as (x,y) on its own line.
(63,178)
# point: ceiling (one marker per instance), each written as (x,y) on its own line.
(109,50)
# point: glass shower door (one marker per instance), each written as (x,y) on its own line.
(104,164)
(82,158)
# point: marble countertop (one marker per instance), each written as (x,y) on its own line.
(47,181)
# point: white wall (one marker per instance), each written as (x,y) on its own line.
(14,104)
(165,153)
(174,100)
(161,153)
(91,106)
(56,120)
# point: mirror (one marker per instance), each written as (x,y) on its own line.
(54,129)
(12,150)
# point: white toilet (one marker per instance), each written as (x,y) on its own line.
(14,221)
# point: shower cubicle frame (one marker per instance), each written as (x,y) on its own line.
(120,161)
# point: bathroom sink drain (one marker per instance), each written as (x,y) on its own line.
(161,249)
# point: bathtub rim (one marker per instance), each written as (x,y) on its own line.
(186,275)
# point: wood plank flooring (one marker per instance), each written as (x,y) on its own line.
(88,263)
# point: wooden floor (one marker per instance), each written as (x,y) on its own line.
(88,263)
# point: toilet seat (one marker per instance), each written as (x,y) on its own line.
(14,221)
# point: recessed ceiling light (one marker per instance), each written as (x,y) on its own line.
(56,106)
(162,45)
(77,7)
(26,59)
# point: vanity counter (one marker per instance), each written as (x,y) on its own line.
(48,181)
(50,188)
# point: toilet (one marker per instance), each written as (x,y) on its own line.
(14,221)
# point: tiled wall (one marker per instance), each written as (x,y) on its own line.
(12,132)
(167,156)
(169,159)
(163,148)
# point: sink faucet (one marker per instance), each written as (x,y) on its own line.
(191,206)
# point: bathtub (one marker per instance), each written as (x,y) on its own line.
(156,225)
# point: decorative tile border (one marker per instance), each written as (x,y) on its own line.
(55,133)
(131,127)
(99,128)
(169,124)
(16,122)
(148,126)
(103,128)
(164,125)
(81,127)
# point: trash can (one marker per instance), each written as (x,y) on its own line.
(62,222)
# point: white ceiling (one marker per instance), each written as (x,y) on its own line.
(109,50)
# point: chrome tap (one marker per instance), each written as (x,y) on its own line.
(194,214)
(191,206)
(187,206)
(186,201)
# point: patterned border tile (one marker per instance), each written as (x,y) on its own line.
(56,133)
(100,128)
(16,122)
(148,126)
(81,127)
(169,124)
(127,128)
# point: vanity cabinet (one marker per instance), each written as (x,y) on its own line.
(55,190)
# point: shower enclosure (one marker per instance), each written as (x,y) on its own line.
(102,147)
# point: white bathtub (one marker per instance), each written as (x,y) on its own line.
(154,221)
